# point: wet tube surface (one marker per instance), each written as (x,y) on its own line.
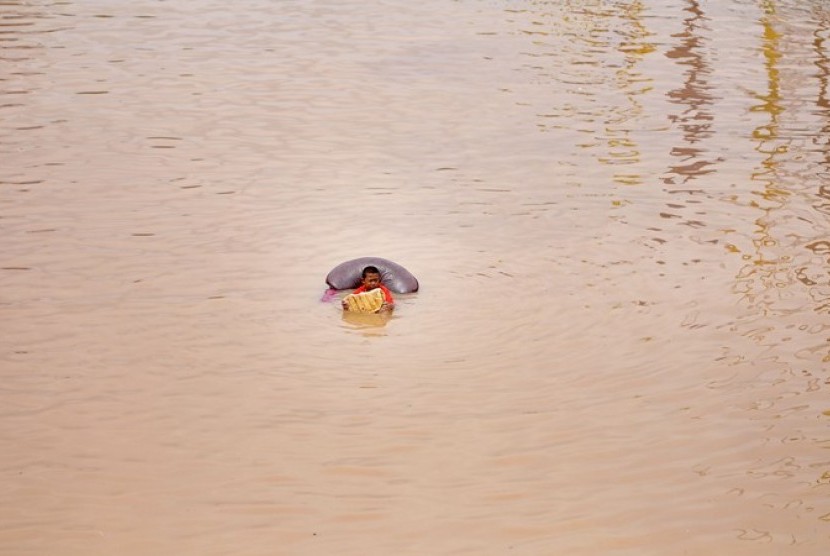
(347,275)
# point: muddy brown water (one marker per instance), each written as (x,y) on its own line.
(619,212)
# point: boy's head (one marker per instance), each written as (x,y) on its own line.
(370,277)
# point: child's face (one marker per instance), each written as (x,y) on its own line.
(371,281)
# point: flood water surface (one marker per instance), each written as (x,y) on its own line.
(618,213)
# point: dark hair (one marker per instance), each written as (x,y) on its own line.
(369,270)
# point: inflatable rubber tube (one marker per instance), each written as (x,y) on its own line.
(348,275)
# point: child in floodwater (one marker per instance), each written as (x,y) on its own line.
(370,280)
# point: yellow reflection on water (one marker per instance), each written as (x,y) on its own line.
(766,269)
(368,323)
(822,62)
(622,146)
(605,46)
(766,281)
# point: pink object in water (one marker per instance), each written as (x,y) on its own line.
(329,295)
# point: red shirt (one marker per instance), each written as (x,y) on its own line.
(386,293)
